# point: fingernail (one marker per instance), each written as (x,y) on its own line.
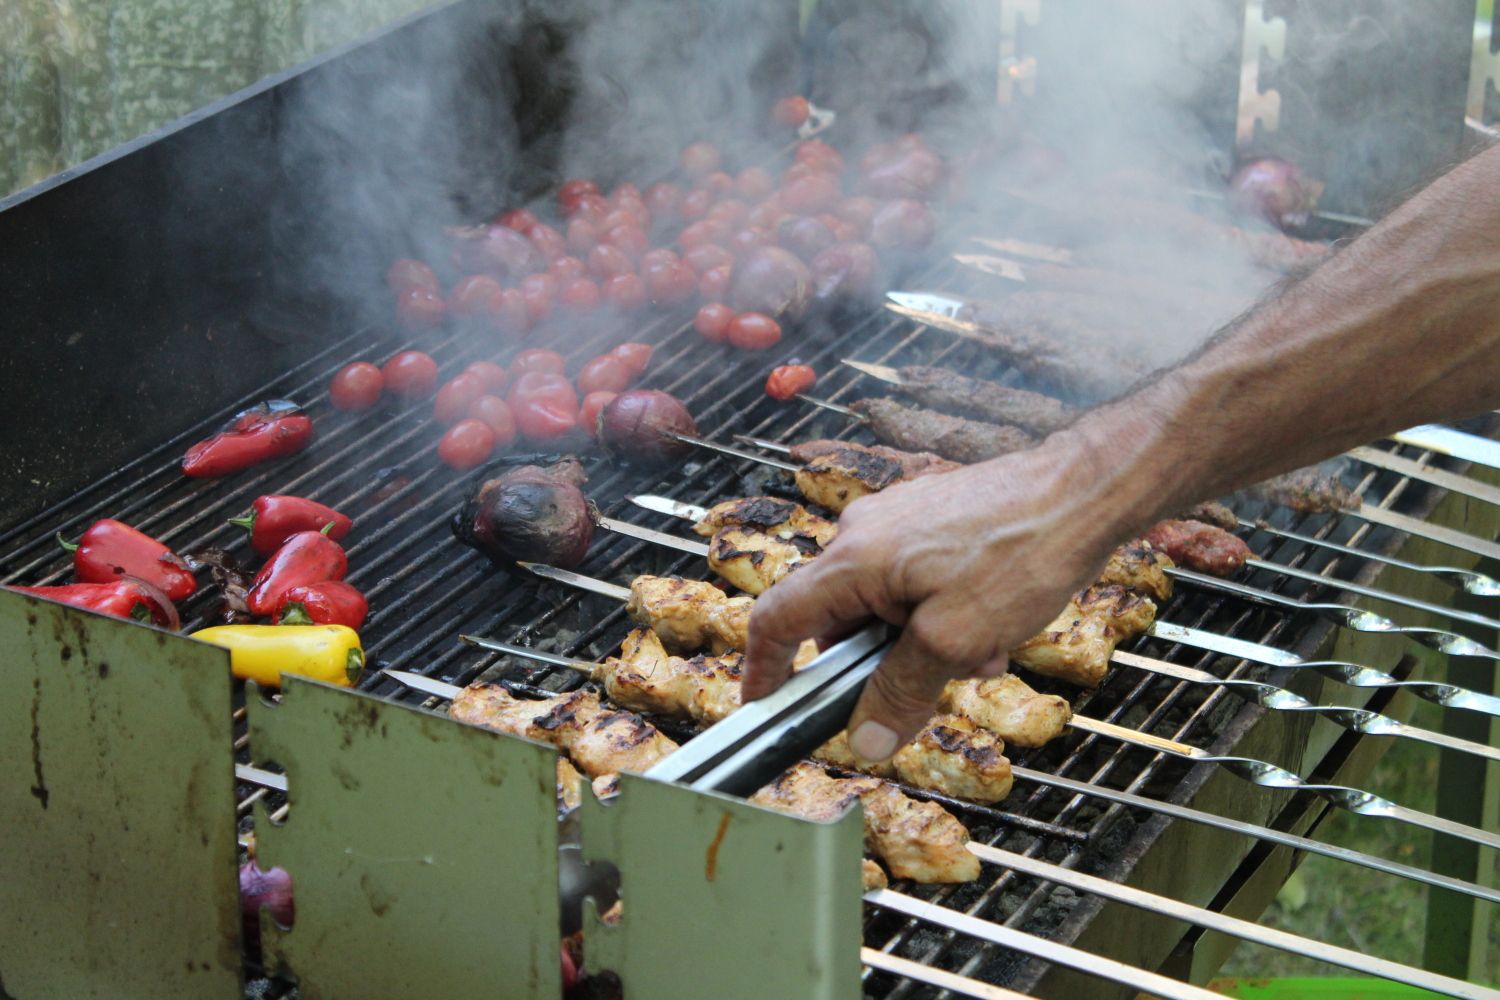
(872,741)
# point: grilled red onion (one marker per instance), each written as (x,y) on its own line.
(637,423)
(1274,190)
(844,270)
(804,236)
(902,170)
(903,224)
(529,513)
(498,251)
(271,889)
(770,280)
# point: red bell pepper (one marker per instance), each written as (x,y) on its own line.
(250,441)
(125,597)
(110,549)
(275,518)
(331,602)
(307,557)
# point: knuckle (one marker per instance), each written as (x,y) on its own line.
(909,694)
(944,643)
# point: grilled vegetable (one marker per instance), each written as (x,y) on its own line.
(1274,190)
(254,439)
(770,280)
(126,597)
(110,549)
(263,653)
(529,512)
(275,517)
(638,423)
(307,557)
(271,889)
(332,602)
(788,380)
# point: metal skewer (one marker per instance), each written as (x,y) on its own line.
(1413,469)
(1471,581)
(1021,248)
(1451,442)
(1000,267)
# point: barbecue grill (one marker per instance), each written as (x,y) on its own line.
(425,852)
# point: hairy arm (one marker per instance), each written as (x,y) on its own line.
(1402,327)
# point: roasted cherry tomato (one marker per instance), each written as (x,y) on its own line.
(673,283)
(700,233)
(537,359)
(789,380)
(538,290)
(545,406)
(566,269)
(748,239)
(699,160)
(491,375)
(819,155)
(659,259)
(410,374)
(420,308)
(357,386)
(624,190)
(588,413)
(707,256)
(580,295)
(606,372)
(635,356)
(816,192)
(624,292)
(712,322)
(494,413)
(571,191)
(466,444)
(582,237)
(456,396)
(695,204)
(753,331)
(606,261)
(662,199)
(471,295)
(509,313)
(630,238)
(407,273)
(713,284)
(791,111)
(518,219)
(754,183)
(730,212)
(717,183)
(548,241)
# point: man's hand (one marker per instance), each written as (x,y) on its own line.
(969,563)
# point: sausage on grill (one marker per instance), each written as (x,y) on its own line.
(951,392)
(957,438)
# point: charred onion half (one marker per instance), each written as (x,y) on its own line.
(535,513)
(639,424)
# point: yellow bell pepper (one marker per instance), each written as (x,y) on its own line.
(262,653)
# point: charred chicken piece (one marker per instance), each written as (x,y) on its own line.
(1200,547)
(950,755)
(1309,491)
(690,615)
(952,437)
(782,518)
(1007,705)
(1141,567)
(569,786)
(837,473)
(1077,644)
(916,840)
(759,540)
(872,875)
(599,740)
(913,463)
(1211,512)
(951,392)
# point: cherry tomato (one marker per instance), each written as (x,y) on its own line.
(605,373)
(357,386)
(661,200)
(580,295)
(624,190)
(767,215)
(857,211)
(707,256)
(606,261)
(566,269)
(537,359)
(591,208)
(624,292)
(571,191)
(791,111)
(753,331)
(698,233)
(550,386)
(818,154)
(492,376)
(810,194)
(509,313)
(588,411)
(717,183)
(655,260)
(494,413)
(420,308)
(538,290)
(631,239)
(789,380)
(548,241)
(582,237)
(545,405)
(635,356)
(518,219)
(712,322)
(671,284)
(730,211)
(407,273)
(471,296)
(410,374)
(634,215)
(699,160)
(746,240)
(695,204)
(466,444)
(754,183)
(713,284)
(456,396)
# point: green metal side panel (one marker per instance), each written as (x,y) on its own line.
(423,853)
(724,899)
(117,874)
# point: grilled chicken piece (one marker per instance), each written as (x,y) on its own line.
(951,392)
(1211,512)
(872,875)
(569,786)
(913,463)
(1009,707)
(599,740)
(1139,566)
(1201,547)
(916,840)
(950,755)
(952,437)
(1077,644)
(1309,490)
(754,560)
(688,615)
(835,479)
(782,518)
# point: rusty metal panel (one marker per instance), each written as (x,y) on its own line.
(117,878)
(750,902)
(423,853)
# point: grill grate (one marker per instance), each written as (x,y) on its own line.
(424,588)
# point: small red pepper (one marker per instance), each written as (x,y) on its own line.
(307,557)
(275,518)
(125,597)
(110,549)
(252,440)
(331,602)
